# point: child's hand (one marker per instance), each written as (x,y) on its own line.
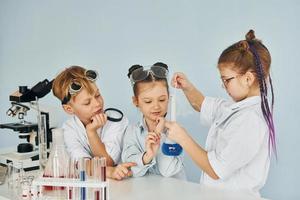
(175,132)
(97,121)
(180,81)
(121,171)
(160,125)
(152,146)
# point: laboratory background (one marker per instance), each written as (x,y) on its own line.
(38,39)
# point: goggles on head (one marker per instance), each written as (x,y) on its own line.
(75,86)
(139,73)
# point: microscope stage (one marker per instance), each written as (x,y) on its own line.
(20,127)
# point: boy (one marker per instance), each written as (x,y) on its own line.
(88,133)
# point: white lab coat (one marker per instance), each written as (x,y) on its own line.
(111,134)
(237,143)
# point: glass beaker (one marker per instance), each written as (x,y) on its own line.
(15,173)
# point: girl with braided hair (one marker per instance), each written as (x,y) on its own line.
(241,137)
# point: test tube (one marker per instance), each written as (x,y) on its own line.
(82,177)
(103,191)
(88,173)
(71,175)
(96,176)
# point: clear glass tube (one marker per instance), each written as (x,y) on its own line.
(82,177)
(103,191)
(42,137)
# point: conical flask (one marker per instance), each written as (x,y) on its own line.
(58,161)
(169,147)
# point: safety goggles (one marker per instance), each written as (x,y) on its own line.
(75,86)
(141,73)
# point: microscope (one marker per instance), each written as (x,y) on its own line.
(27,152)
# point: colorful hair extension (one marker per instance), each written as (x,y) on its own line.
(267,112)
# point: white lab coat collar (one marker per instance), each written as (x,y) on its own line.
(142,125)
(235,107)
(250,101)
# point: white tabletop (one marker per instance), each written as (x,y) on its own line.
(153,187)
(157,187)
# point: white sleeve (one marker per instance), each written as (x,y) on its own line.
(211,109)
(244,143)
(73,145)
(114,141)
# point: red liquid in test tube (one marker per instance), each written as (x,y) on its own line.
(103,177)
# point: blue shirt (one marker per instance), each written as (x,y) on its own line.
(134,149)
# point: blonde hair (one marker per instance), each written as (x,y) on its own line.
(64,79)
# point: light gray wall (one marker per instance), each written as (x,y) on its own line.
(39,38)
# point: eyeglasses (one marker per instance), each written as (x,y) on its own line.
(140,73)
(227,80)
(75,86)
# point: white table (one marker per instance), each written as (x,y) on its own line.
(156,187)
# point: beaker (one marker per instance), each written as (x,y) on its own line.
(15,173)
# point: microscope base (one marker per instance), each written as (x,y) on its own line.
(29,160)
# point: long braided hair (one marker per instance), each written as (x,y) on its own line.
(252,55)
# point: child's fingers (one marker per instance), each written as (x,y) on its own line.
(129,164)
(123,169)
(174,80)
(154,134)
(149,140)
(117,176)
(101,118)
(177,80)
(121,174)
(152,141)
(153,137)
(160,125)
(150,137)
(96,119)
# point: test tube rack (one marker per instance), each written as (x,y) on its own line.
(37,191)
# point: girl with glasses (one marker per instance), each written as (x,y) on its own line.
(241,137)
(142,141)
